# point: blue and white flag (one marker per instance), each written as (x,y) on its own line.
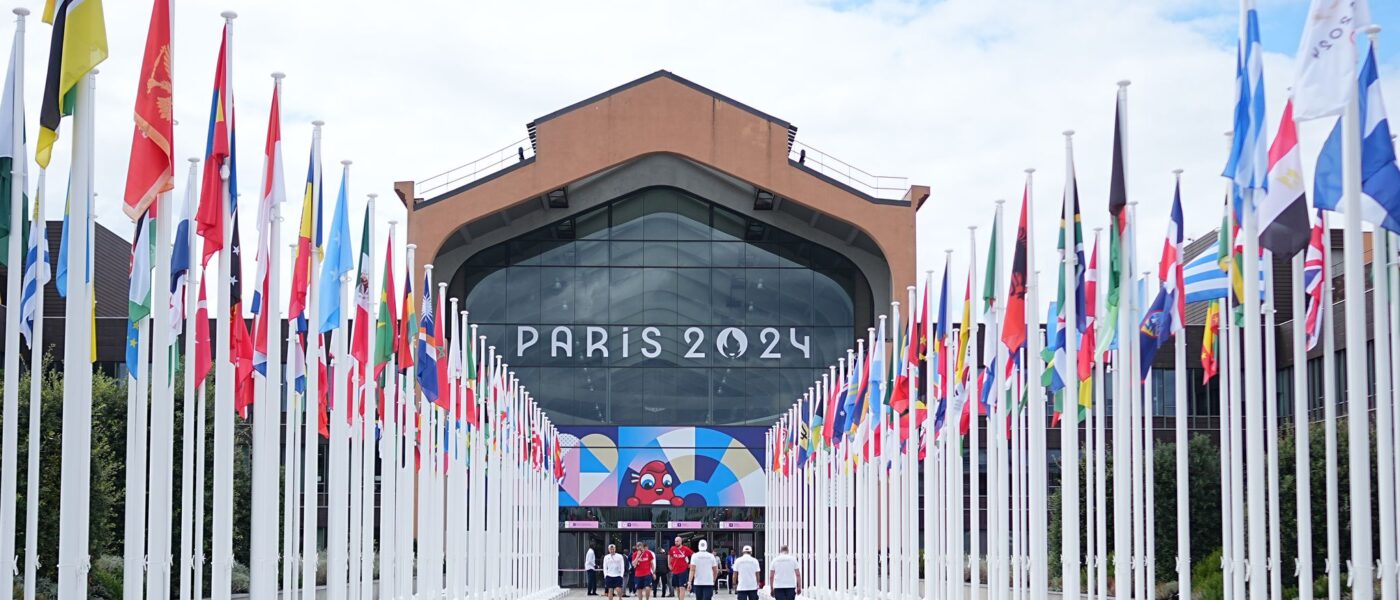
(180,263)
(1205,281)
(1249,159)
(338,262)
(427,343)
(36,275)
(1380,177)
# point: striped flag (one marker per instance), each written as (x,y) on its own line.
(138,291)
(359,344)
(218,148)
(180,263)
(1210,342)
(308,240)
(203,351)
(1249,160)
(1283,213)
(386,329)
(1170,270)
(36,275)
(11,105)
(1013,331)
(273,195)
(78,45)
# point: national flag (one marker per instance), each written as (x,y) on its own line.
(133,349)
(308,241)
(1087,354)
(986,379)
(408,326)
(139,290)
(152,167)
(220,159)
(1118,182)
(273,195)
(241,343)
(78,45)
(427,344)
(203,351)
(339,260)
(36,275)
(12,104)
(1327,57)
(296,361)
(1210,342)
(444,400)
(359,344)
(1156,327)
(180,264)
(1315,277)
(386,329)
(1013,332)
(962,370)
(1249,159)
(942,327)
(835,428)
(1170,270)
(804,430)
(1283,213)
(1380,176)
(819,421)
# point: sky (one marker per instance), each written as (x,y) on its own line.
(959,95)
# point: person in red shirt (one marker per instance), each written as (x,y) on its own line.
(679,560)
(643,568)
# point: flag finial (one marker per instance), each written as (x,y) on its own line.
(1122,83)
(278,75)
(21,11)
(194,160)
(1030,170)
(1068,133)
(229,15)
(318,123)
(1177,172)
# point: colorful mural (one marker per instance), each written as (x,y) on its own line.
(668,466)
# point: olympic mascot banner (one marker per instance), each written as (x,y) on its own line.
(663,466)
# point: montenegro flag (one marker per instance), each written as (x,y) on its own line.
(78,45)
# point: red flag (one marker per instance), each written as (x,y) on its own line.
(444,399)
(241,343)
(1014,324)
(202,350)
(1091,303)
(152,167)
(210,216)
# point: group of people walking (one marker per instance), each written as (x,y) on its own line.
(690,571)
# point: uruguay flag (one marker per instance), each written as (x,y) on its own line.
(1380,177)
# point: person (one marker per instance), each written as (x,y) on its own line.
(729,568)
(678,558)
(704,569)
(613,565)
(590,567)
(643,561)
(663,578)
(746,569)
(784,576)
(631,575)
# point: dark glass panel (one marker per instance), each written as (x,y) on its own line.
(592,394)
(660,220)
(557,294)
(729,225)
(692,218)
(627,254)
(591,253)
(831,300)
(659,297)
(627,292)
(556,394)
(628,396)
(591,295)
(627,215)
(763,297)
(692,296)
(730,395)
(728,254)
(762,386)
(659,254)
(693,254)
(558,253)
(796,296)
(727,293)
(592,225)
(523,295)
(488,288)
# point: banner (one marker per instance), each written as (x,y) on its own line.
(662,466)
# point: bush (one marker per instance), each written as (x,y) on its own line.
(1207,579)
(105,578)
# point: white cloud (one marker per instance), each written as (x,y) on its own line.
(960,95)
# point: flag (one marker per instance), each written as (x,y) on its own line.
(819,421)
(139,290)
(835,428)
(1315,276)
(60,283)
(386,330)
(308,239)
(203,351)
(427,345)
(989,302)
(219,147)
(152,167)
(1210,342)
(1013,332)
(940,339)
(804,430)
(444,400)
(962,370)
(408,325)
(1118,183)
(133,349)
(1087,352)
(1380,176)
(273,195)
(180,265)
(36,276)
(241,343)
(359,345)
(1156,327)
(1249,159)
(1283,213)
(296,361)
(11,105)
(1327,57)
(339,260)
(79,44)
(1170,269)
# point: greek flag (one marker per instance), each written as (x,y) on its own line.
(1249,159)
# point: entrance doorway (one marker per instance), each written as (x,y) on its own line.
(574,545)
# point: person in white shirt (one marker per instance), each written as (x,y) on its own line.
(704,569)
(590,566)
(746,568)
(613,566)
(784,576)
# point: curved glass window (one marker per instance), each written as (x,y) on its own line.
(661,308)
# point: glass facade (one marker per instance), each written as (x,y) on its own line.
(662,308)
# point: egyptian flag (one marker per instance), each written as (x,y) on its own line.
(1283,213)
(152,167)
(1013,333)
(78,45)
(219,147)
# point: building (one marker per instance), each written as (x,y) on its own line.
(667,269)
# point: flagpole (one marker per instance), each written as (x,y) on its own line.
(1100,559)
(13,272)
(1385,434)
(188,406)
(998,582)
(162,424)
(1358,422)
(1302,462)
(369,398)
(311,465)
(1069,407)
(1183,496)
(36,387)
(291,484)
(1122,415)
(267,486)
(386,586)
(408,431)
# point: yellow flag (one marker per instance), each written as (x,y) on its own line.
(79,45)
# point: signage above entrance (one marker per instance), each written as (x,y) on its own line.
(580,524)
(634,524)
(736,524)
(684,524)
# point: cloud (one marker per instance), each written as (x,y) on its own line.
(961,95)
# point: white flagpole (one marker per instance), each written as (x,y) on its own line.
(1069,407)
(291,490)
(1385,434)
(1358,421)
(387,585)
(338,484)
(36,387)
(221,576)
(1122,412)
(1303,462)
(1039,544)
(911,494)
(1139,411)
(1183,496)
(162,423)
(450,512)
(134,544)
(424,472)
(311,466)
(13,273)
(1333,568)
(1271,408)
(999,467)
(1100,555)
(476,500)
(368,392)
(974,399)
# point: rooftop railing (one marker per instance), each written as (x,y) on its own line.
(493,162)
(885,187)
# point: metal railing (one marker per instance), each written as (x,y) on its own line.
(876,186)
(461,175)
